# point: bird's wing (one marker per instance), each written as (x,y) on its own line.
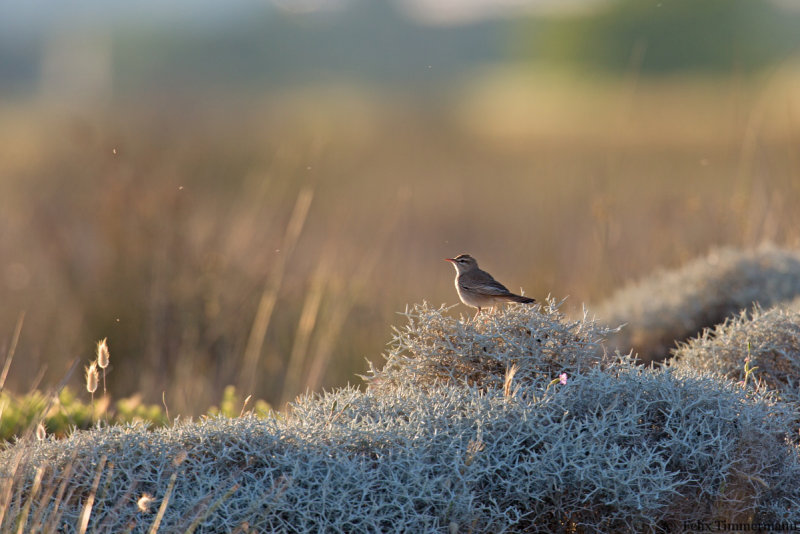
(486,285)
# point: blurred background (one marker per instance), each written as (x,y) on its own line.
(248,192)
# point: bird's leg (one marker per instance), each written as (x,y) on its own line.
(477,313)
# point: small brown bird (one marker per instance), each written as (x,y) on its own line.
(478,288)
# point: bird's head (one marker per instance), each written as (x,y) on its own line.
(463,263)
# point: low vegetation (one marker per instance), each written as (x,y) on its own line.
(62,413)
(533,345)
(627,449)
(518,421)
(757,342)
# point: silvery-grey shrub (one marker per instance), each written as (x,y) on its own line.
(674,305)
(434,348)
(768,339)
(620,449)
(440,443)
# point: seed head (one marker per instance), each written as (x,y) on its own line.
(91,378)
(144,503)
(41,431)
(102,353)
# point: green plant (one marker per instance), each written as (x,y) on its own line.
(232,405)
(66,412)
(59,417)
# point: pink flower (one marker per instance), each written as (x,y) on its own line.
(563,378)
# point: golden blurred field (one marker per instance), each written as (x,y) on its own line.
(161,222)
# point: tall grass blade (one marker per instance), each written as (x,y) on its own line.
(52,522)
(305,327)
(269,296)
(11,350)
(86,513)
(8,486)
(354,291)
(37,484)
(164,503)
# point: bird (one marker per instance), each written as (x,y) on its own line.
(479,289)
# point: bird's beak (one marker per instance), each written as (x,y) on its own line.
(449,259)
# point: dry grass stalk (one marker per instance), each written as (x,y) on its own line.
(269,296)
(37,484)
(86,513)
(305,327)
(354,290)
(11,350)
(510,372)
(164,503)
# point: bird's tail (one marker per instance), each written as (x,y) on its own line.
(519,298)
